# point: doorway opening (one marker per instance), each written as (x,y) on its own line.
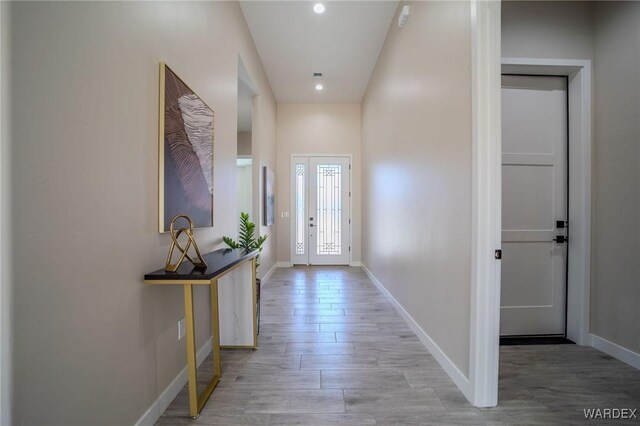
(578,107)
(487,215)
(246,176)
(321,207)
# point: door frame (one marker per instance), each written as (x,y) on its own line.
(578,73)
(292,202)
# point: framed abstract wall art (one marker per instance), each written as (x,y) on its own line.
(269,202)
(185,153)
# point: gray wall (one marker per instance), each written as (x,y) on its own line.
(547,29)
(615,286)
(5,229)
(608,33)
(93,344)
(244,143)
(416,176)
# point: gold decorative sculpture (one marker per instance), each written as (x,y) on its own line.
(199,263)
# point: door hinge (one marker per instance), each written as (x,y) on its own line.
(349,166)
(498,254)
(349,248)
(349,221)
(349,193)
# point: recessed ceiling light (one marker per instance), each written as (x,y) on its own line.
(319,87)
(318,8)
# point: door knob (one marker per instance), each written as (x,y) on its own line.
(311,225)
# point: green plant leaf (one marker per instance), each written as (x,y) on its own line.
(246,237)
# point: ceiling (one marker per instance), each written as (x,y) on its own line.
(343,43)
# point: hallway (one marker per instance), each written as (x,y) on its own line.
(333,350)
(476,161)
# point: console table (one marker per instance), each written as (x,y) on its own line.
(220,263)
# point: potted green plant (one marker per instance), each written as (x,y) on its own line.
(247,241)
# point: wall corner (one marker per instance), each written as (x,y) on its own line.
(486,202)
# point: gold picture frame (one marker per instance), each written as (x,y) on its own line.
(185,153)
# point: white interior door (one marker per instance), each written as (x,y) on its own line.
(534,205)
(321,228)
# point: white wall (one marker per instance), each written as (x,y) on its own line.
(264,154)
(416,177)
(245,191)
(245,178)
(615,289)
(92,342)
(316,129)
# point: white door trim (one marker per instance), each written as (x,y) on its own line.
(292,201)
(579,255)
(486,227)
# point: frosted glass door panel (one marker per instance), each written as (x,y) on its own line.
(329,211)
(299,215)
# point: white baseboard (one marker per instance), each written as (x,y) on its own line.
(445,362)
(289,264)
(151,416)
(616,351)
(270,272)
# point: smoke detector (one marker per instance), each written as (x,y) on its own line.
(404,16)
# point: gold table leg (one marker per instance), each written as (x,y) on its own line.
(215,329)
(255,309)
(196,402)
(191,351)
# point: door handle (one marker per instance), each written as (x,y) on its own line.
(311,225)
(560,239)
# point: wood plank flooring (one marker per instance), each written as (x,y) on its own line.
(333,351)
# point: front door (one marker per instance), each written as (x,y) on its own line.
(534,205)
(321,213)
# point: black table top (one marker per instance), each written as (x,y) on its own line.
(218,262)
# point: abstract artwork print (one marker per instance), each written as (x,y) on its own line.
(186,153)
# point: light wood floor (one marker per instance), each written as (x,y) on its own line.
(332,350)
